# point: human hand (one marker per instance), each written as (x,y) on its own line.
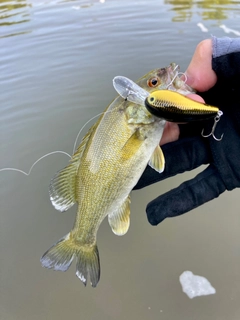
(201,77)
(192,150)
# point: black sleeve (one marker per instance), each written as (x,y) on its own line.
(192,150)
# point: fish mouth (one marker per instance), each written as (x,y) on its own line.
(175,106)
(172,79)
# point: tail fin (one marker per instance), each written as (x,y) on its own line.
(88,263)
(60,256)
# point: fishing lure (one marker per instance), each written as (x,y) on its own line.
(175,107)
(169,105)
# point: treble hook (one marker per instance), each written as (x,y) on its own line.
(216,119)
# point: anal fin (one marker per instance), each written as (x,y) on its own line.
(157,161)
(119,220)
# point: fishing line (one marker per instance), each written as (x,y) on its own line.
(175,76)
(28,173)
(183,74)
(54,152)
(79,132)
(98,115)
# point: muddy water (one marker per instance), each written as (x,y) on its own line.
(57,61)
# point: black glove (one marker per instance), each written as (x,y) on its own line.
(192,150)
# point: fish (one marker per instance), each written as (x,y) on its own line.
(102,172)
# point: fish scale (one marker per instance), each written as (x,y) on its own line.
(101,174)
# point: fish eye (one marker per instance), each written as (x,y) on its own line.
(151,99)
(153,82)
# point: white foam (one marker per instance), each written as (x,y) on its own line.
(228,30)
(202,27)
(195,286)
(76,7)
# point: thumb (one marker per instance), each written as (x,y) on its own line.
(199,73)
(189,195)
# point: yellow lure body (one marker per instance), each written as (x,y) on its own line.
(176,107)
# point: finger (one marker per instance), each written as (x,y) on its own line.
(183,155)
(204,187)
(199,73)
(195,97)
(171,133)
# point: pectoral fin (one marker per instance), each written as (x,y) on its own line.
(132,145)
(119,220)
(157,161)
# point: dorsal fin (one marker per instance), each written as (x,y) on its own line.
(62,188)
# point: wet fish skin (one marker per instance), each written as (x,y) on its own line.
(167,79)
(103,171)
(101,174)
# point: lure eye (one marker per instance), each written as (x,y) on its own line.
(153,82)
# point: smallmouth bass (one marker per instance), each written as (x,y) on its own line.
(101,174)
